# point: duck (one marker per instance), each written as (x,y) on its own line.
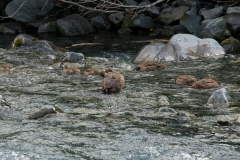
(71,71)
(205,83)
(97,71)
(6,67)
(113,82)
(185,80)
(151,66)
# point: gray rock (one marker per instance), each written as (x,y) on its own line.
(234,22)
(191,21)
(11,27)
(189,47)
(124,31)
(99,20)
(141,21)
(31,10)
(189,3)
(3,102)
(233,10)
(42,112)
(215,28)
(169,15)
(212,13)
(169,31)
(219,97)
(74,24)
(73,57)
(231,45)
(148,52)
(228,119)
(152,11)
(30,44)
(117,18)
(130,2)
(209,47)
(49,27)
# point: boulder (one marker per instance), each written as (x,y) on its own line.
(233,21)
(212,13)
(169,15)
(11,27)
(129,3)
(30,44)
(233,10)
(124,31)
(209,47)
(169,31)
(49,27)
(191,21)
(30,10)
(151,11)
(73,25)
(189,47)
(215,28)
(141,21)
(148,52)
(231,45)
(116,18)
(189,3)
(99,20)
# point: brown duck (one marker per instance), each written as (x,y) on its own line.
(97,71)
(185,80)
(151,66)
(205,83)
(113,82)
(6,67)
(71,71)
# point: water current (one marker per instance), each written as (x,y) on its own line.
(97,126)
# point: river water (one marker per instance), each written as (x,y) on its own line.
(123,126)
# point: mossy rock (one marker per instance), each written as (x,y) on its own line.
(231,45)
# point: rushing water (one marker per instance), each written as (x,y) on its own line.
(120,126)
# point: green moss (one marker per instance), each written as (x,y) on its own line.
(229,41)
(18,43)
(34,39)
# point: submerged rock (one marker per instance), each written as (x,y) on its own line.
(219,97)
(42,112)
(228,119)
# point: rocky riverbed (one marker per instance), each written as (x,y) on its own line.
(151,118)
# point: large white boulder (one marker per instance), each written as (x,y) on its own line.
(189,47)
(148,52)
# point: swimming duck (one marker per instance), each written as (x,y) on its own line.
(70,70)
(6,67)
(151,66)
(113,82)
(185,80)
(205,83)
